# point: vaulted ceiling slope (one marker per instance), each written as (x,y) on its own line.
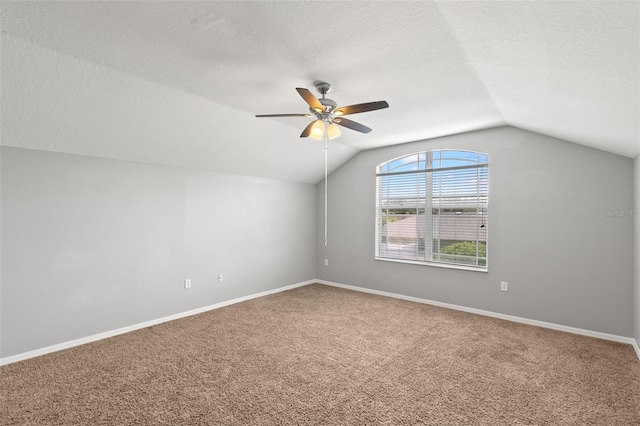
(179,82)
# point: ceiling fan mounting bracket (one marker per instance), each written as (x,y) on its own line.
(323,87)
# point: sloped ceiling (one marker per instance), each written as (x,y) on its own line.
(178,83)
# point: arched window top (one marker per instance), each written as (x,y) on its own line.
(433,160)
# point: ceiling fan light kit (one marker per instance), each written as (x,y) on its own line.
(333,131)
(317,130)
(328,114)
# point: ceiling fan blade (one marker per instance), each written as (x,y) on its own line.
(283,115)
(350,124)
(354,109)
(307,130)
(308,97)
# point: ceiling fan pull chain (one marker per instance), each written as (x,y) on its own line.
(326,150)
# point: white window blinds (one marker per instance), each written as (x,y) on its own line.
(432,208)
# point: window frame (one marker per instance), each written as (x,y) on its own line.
(426,157)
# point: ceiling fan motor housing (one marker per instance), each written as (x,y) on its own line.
(329,105)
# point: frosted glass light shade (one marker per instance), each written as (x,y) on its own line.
(333,131)
(317,130)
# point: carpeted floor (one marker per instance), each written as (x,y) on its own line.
(327,356)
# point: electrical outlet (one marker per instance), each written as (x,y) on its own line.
(187,283)
(326,262)
(220,278)
(504,286)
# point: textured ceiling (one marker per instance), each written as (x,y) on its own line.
(179,83)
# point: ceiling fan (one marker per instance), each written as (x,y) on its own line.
(328,113)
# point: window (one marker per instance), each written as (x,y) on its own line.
(431,208)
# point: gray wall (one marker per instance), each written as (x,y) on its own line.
(636,186)
(90,245)
(566,260)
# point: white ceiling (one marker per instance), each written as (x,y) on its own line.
(179,82)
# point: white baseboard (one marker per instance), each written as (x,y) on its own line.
(574,330)
(636,347)
(107,334)
(111,333)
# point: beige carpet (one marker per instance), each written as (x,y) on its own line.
(327,356)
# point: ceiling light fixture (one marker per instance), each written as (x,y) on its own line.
(333,131)
(317,130)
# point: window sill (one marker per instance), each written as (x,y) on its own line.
(437,265)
